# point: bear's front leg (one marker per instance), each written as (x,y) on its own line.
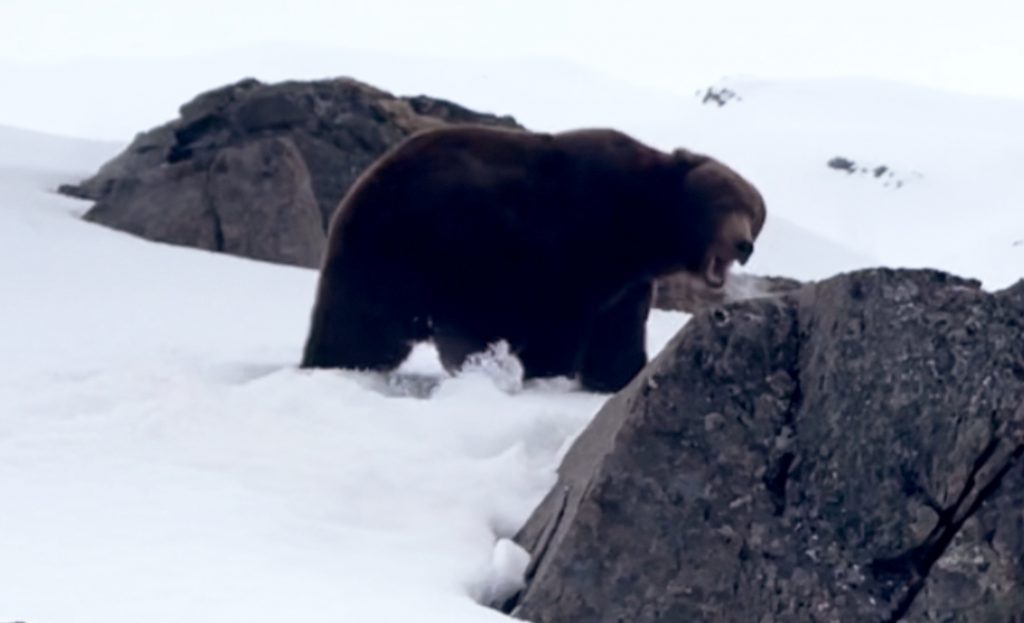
(553,348)
(616,346)
(358,326)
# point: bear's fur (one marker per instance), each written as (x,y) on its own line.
(469,235)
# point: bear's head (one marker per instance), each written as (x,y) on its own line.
(727,211)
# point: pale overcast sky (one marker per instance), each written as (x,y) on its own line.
(107,68)
(974,45)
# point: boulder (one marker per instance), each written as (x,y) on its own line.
(237,171)
(852,451)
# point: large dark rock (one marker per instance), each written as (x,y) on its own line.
(848,452)
(237,170)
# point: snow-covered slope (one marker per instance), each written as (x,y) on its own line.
(949,196)
(161,459)
(543,93)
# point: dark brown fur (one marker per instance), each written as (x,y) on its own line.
(469,235)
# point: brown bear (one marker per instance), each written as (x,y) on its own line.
(469,235)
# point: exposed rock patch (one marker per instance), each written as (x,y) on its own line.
(718,96)
(888,177)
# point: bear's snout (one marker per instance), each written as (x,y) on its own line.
(744,249)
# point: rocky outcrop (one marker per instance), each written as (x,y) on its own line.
(257,169)
(848,452)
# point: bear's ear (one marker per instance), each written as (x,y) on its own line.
(689,159)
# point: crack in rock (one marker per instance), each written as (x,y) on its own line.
(915,564)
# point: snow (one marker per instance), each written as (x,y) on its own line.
(162,458)
(960,207)
(168,491)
